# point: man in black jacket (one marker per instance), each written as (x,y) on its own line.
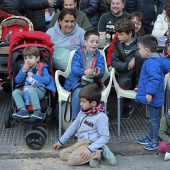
(35,11)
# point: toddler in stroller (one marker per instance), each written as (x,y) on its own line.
(36,70)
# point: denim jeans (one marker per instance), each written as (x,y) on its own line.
(34,94)
(75,103)
(154,121)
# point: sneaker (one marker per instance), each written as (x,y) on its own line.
(144,141)
(37,114)
(151,146)
(21,114)
(167,156)
(94,163)
(127,111)
(108,155)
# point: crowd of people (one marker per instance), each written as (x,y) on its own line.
(131,28)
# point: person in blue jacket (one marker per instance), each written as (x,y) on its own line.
(38,71)
(84,62)
(151,86)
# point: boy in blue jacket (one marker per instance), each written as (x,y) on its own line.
(92,130)
(84,62)
(37,70)
(151,86)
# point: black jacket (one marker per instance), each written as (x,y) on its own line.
(131,6)
(35,11)
(150,9)
(90,8)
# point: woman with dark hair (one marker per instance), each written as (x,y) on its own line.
(162,22)
(66,36)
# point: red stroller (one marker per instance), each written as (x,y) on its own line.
(8,27)
(35,138)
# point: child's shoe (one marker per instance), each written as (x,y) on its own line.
(127,111)
(37,114)
(94,163)
(167,156)
(145,140)
(21,114)
(108,155)
(151,146)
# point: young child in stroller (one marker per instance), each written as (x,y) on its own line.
(38,70)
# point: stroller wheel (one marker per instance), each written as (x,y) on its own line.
(7,120)
(42,130)
(35,139)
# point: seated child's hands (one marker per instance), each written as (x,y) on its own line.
(30,74)
(25,67)
(149,98)
(56,146)
(132,63)
(96,71)
(84,154)
(89,72)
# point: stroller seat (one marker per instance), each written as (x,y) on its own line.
(36,136)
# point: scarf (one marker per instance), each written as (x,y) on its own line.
(94,110)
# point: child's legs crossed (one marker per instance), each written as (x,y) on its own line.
(36,95)
(154,121)
(164,146)
(65,153)
(75,158)
(18,98)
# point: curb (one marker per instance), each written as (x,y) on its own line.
(122,149)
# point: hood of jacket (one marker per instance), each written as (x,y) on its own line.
(162,60)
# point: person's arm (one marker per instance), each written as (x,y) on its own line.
(54,19)
(85,24)
(4,15)
(91,9)
(160,27)
(102,126)
(102,23)
(163,129)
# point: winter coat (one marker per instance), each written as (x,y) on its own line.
(121,62)
(97,132)
(160,26)
(104,6)
(35,11)
(78,68)
(131,6)
(45,78)
(71,41)
(81,20)
(108,18)
(151,79)
(150,9)
(90,8)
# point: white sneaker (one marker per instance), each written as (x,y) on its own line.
(167,156)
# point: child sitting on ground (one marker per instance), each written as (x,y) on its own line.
(151,86)
(92,130)
(164,134)
(126,60)
(85,60)
(37,70)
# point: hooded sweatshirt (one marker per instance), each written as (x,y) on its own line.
(70,41)
(151,79)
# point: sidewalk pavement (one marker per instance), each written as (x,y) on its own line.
(12,140)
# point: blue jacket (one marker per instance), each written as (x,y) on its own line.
(151,79)
(45,78)
(77,68)
(98,133)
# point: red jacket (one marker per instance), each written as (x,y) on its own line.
(111,50)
